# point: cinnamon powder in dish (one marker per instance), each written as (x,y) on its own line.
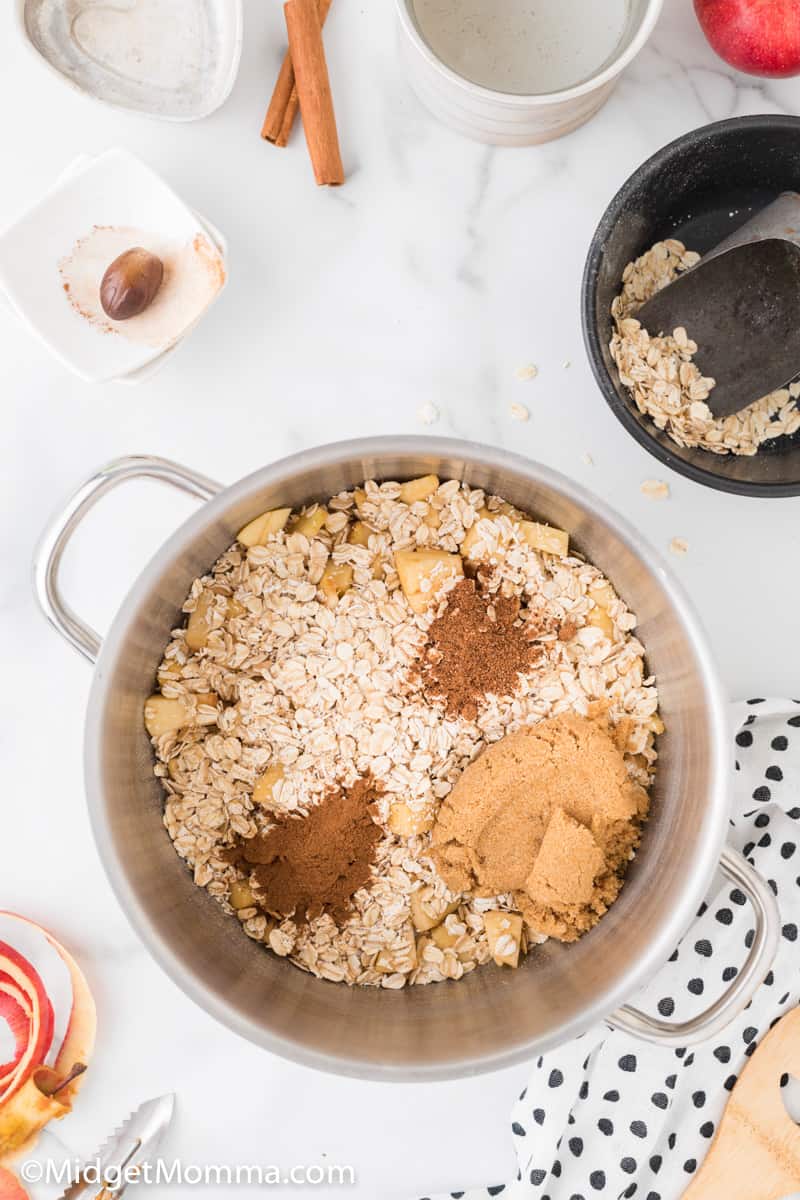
(307,866)
(476,647)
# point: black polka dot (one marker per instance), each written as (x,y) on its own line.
(497,1189)
(769,979)
(751,1049)
(730,1083)
(773,885)
(612,1096)
(598,1180)
(659,1099)
(605,1126)
(744,738)
(696,986)
(707,1129)
(703,947)
(724,916)
(571,1119)
(523,1093)
(671,1140)
(576,1146)
(765,840)
(775,774)
(518,1129)
(794,722)
(556,1078)
(538,1175)
(584,1090)
(748,848)
(666,1006)
(723,1053)
(784,1079)
(538,1116)
(630,1190)
(690,1165)
(670,1081)
(749,938)
(780,742)
(673,957)
(652,1196)
(698,1099)
(749,1033)
(762,794)
(788,849)
(729,973)
(628,1165)
(762,820)
(627,1062)
(756,700)
(790,932)
(555,1170)
(737,896)
(639,1129)
(680,1052)
(655,1163)
(794,813)
(689,1060)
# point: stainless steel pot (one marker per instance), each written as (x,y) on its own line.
(492,1018)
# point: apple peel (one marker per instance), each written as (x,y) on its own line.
(42,1079)
(10,1186)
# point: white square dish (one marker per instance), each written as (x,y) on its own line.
(114,190)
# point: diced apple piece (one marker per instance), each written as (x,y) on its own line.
(599,618)
(198,628)
(359,496)
(420,902)
(241,896)
(265,784)
(235,609)
(442,936)
(169,669)
(258,531)
(359,534)
(546,538)
(311,523)
(165,715)
(336,580)
(423,574)
(504,935)
(418,489)
(405,821)
(602,593)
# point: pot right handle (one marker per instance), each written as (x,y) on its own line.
(758,962)
(58,534)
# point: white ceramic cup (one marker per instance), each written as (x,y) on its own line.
(505,118)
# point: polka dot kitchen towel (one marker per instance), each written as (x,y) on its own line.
(608,1116)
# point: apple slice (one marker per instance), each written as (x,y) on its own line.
(21,980)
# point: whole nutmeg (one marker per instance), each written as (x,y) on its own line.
(130,284)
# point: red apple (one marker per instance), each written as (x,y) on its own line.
(10,1186)
(760,37)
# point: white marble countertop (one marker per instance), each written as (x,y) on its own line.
(439,269)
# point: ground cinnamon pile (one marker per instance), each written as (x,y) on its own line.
(307,866)
(477,646)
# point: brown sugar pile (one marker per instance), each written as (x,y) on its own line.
(548,813)
(307,866)
(476,647)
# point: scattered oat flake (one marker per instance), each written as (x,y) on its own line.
(679,545)
(428,414)
(587,459)
(567,364)
(519,412)
(526,373)
(655,489)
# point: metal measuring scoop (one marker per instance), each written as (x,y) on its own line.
(741,305)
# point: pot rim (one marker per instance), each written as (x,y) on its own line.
(515,100)
(623,409)
(708,847)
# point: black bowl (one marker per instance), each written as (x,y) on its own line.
(699,188)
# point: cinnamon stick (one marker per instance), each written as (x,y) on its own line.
(314,90)
(283,104)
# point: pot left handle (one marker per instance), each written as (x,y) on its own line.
(56,538)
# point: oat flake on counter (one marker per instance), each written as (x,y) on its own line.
(317,697)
